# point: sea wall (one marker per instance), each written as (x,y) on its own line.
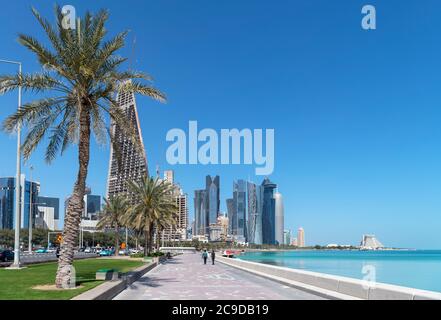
(330,286)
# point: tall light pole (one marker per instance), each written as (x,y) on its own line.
(16,263)
(31,189)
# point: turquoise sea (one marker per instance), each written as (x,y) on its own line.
(417,269)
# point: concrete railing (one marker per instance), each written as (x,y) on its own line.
(330,286)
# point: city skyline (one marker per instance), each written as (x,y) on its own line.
(363,160)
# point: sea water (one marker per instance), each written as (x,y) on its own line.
(417,269)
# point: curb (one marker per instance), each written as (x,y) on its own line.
(109,289)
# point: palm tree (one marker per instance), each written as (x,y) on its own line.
(112,215)
(155,201)
(80,75)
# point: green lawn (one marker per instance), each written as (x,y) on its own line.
(17,284)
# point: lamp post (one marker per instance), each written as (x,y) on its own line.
(16,263)
(31,189)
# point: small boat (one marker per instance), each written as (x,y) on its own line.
(231,253)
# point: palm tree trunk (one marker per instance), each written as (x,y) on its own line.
(116,241)
(150,238)
(146,243)
(65,272)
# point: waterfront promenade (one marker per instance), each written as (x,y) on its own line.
(185,277)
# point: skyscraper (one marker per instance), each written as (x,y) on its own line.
(29,200)
(240,202)
(268,212)
(279,218)
(212,191)
(132,162)
(48,213)
(287,237)
(301,238)
(254,213)
(232,219)
(200,221)
(92,205)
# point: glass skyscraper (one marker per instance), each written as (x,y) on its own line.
(212,191)
(29,200)
(254,213)
(240,204)
(268,212)
(200,224)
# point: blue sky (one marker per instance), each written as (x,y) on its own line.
(356,113)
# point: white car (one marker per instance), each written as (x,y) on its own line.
(134,251)
(88,250)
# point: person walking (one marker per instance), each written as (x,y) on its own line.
(205,256)
(213,256)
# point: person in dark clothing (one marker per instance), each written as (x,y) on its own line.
(57,252)
(205,256)
(213,256)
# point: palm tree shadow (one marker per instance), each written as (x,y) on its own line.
(151,282)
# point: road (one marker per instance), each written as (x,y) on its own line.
(185,277)
(27,258)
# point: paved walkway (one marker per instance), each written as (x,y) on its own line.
(185,277)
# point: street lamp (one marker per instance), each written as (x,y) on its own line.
(16,263)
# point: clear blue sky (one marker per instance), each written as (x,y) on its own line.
(356,114)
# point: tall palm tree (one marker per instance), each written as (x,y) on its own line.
(155,201)
(79,77)
(112,216)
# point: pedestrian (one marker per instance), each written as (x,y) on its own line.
(213,255)
(205,256)
(57,252)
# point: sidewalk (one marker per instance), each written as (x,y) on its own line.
(185,277)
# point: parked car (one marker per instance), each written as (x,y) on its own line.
(88,250)
(51,250)
(123,252)
(98,250)
(42,250)
(134,251)
(6,255)
(106,253)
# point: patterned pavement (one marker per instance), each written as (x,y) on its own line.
(185,277)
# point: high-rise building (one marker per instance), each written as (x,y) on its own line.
(287,237)
(200,213)
(48,213)
(29,196)
(240,204)
(254,213)
(127,162)
(179,230)
(224,223)
(268,212)
(169,176)
(92,205)
(279,218)
(232,219)
(212,192)
(301,238)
